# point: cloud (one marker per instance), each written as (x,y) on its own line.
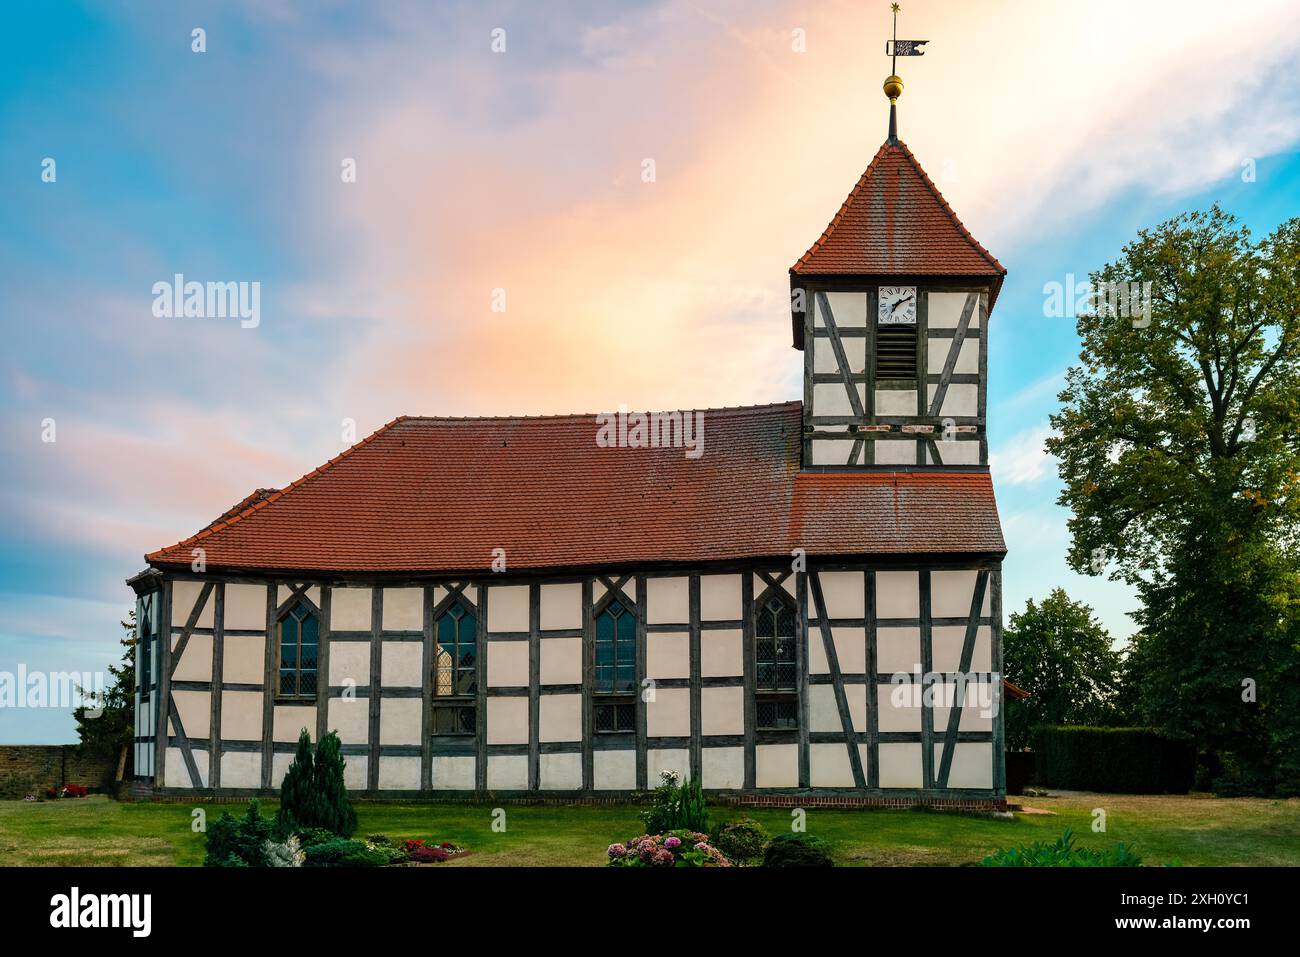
(1022,460)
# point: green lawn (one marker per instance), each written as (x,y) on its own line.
(1192,830)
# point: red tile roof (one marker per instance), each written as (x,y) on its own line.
(895,222)
(437,495)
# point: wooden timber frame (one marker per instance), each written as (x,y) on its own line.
(858,440)
(805,588)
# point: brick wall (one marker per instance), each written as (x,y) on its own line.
(32,768)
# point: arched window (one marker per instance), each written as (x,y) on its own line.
(615,690)
(298,637)
(776,671)
(455,671)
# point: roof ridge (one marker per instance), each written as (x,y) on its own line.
(263,503)
(589,415)
(839,215)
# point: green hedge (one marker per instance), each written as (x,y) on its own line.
(1117,760)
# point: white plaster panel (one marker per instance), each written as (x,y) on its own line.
(356,768)
(788,584)
(243,659)
(898,595)
(241,715)
(279,768)
(968,357)
(900,707)
(844,594)
(668,655)
(560,772)
(722,653)
(896,402)
(669,601)
(832,398)
(453,772)
(196,663)
(350,717)
(177,775)
(972,764)
(951,593)
(977,710)
(561,661)
(507,720)
(287,722)
(900,765)
(823,711)
(349,662)
(829,766)
(669,714)
(898,650)
(895,451)
(241,769)
(195,711)
(614,770)
(507,772)
(720,598)
(244,609)
(399,721)
(560,717)
(561,606)
(401,664)
(850,650)
(403,611)
(508,608)
(946,644)
(848,308)
(350,609)
(943,310)
(507,663)
(958,453)
(667,759)
(399,772)
(722,710)
(184,594)
(722,768)
(824,356)
(776,765)
(831,451)
(961,399)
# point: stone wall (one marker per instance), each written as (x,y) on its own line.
(34,768)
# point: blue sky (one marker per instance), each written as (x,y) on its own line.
(1055,133)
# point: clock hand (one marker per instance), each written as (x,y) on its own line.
(899,303)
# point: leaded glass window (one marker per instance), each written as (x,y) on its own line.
(455,671)
(615,705)
(776,678)
(298,635)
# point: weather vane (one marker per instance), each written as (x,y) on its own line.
(893,83)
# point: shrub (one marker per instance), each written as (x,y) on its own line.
(312,794)
(345,852)
(331,851)
(678,848)
(1116,760)
(676,808)
(310,836)
(424,854)
(1061,853)
(244,839)
(742,841)
(797,850)
(286,854)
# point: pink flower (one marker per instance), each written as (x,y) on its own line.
(673,842)
(662,858)
(617,850)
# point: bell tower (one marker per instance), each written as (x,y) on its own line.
(890,307)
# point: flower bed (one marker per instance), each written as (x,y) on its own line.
(674,849)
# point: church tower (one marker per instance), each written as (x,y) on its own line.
(890,307)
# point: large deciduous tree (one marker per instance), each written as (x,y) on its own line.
(1058,652)
(1178,446)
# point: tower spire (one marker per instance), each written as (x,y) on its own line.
(894,83)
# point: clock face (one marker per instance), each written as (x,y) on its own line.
(897,305)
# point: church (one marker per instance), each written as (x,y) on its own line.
(799,600)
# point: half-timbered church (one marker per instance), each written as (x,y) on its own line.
(511,605)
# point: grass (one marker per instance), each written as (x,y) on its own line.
(1190,830)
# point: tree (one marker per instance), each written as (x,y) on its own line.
(1179,447)
(1061,655)
(338,814)
(109,731)
(313,794)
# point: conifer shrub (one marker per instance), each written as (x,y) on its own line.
(242,840)
(312,795)
(797,850)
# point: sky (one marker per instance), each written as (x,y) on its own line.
(499,152)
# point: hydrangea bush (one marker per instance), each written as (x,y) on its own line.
(675,849)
